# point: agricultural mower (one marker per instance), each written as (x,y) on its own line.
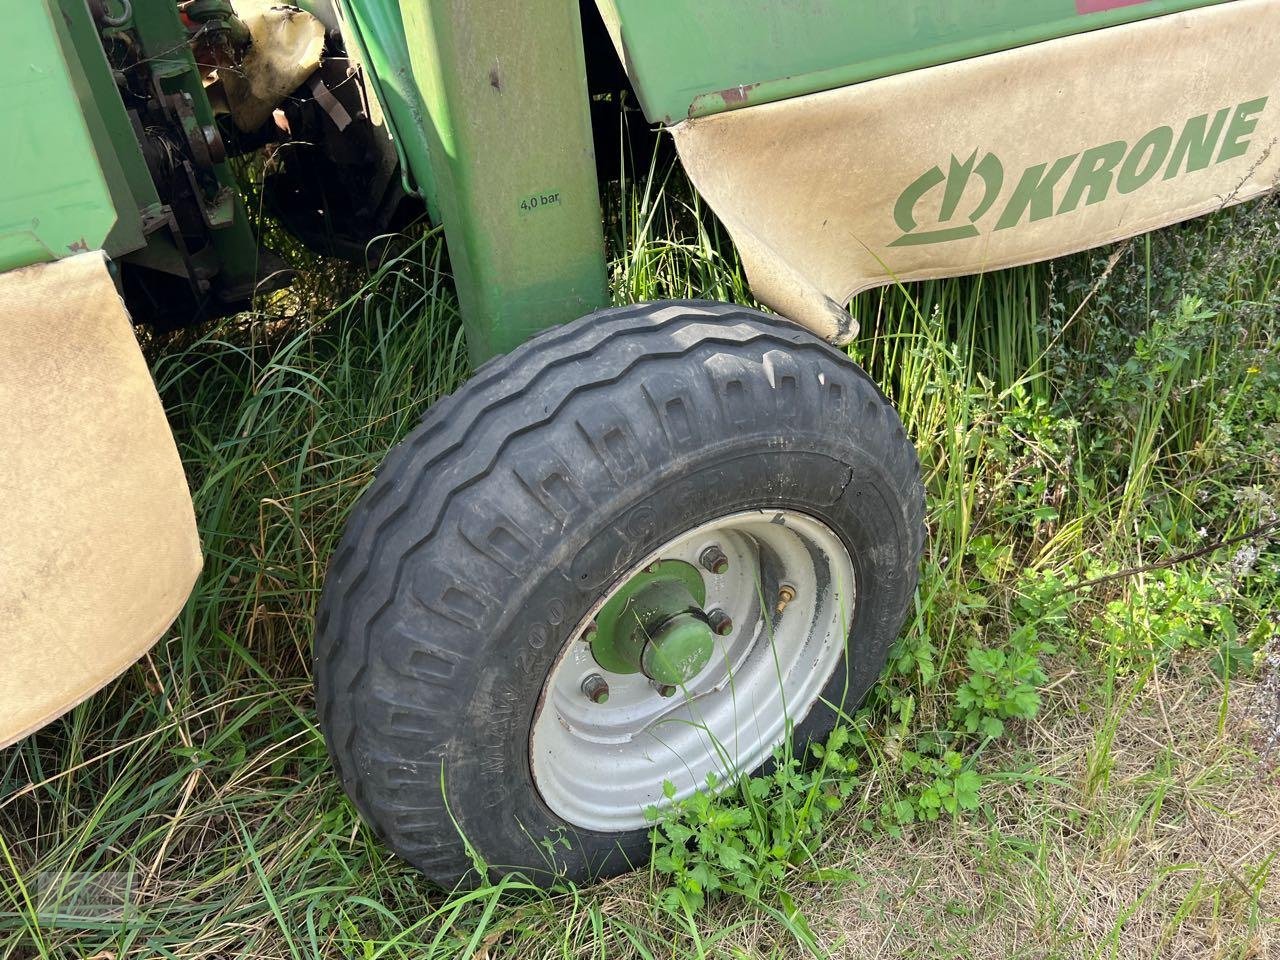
(646,542)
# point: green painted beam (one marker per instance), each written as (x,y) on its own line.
(690,58)
(128,178)
(377,30)
(507,116)
(55,199)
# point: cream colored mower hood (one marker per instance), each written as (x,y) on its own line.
(98,544)
(993,161)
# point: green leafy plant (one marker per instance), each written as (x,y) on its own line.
(1167,611)
(946,786)
(1002,680)
(1001,686)
(747,840)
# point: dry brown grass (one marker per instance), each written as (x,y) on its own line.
(1143,827)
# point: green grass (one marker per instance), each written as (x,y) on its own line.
(1091,418)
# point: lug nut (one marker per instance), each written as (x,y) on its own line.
(720,622)
(664,689)
(596,688)
(714,559)
(786,593)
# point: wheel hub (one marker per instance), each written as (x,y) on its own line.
(654,624)
(775,599)
(679,649)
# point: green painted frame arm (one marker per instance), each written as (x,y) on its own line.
(508,123)
(377,30)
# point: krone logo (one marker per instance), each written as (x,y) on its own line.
(991,172)
(1065,184)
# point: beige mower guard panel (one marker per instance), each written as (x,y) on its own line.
(994,161)
(98,544)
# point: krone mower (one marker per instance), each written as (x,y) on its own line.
(645,541)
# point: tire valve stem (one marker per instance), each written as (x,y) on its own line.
(596,688)
(720,622)
(786,593)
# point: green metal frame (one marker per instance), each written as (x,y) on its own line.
(60,145)
(376,29)
(691,58)
(502,96)
(504,88)
(73,177)
(488,106)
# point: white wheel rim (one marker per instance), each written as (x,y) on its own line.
(599,765)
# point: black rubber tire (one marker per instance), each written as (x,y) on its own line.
(504,515)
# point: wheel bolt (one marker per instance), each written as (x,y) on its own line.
(596,688)
(714,559)
(720,622)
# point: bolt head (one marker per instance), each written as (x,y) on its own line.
(596,688)
(714,560)
(720,622)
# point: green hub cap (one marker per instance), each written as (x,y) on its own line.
(655,625)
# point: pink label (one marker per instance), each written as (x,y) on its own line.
(1097,6)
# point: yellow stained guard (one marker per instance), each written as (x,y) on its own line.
(925,174)
(98,543)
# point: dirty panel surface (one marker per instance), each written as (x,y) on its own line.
(1005,159)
